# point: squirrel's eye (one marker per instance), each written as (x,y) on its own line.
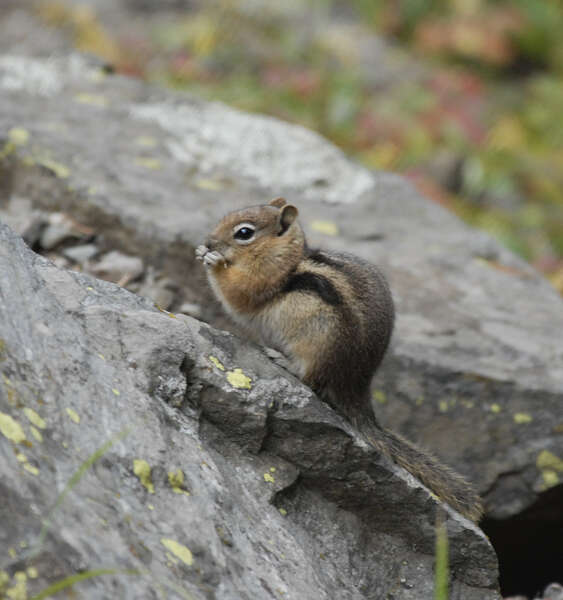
(244,233)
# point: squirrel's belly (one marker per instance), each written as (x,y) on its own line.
(270,323)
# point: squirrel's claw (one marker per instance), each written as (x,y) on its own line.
(210,258)
(201,251)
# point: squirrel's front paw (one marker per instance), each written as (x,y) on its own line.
(209,257)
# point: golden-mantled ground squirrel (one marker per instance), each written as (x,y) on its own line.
(330,314)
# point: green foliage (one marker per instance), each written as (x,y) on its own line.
(442,569)
(541,40)
(67,582)
(490,101)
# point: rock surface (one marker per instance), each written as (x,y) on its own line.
(476,368)
(158,457)
(475,371)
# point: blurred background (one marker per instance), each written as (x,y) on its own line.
(463,97)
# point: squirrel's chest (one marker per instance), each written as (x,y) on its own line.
(269,322)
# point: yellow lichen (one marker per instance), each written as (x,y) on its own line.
(550,478)
(11,429)
(272,469)
(148,163)
(522,418)
(268,478)
(97,75)
(19,590)
(209,184)
(142,470)
(31,469)
(217,363)
(495,408)
(550,466)
(238,379)
(178,550)
(283,512)
(325,227)
(18,136)
(34,418)
(145,140)
(379,396)
(93,99)
(7,149)
(73,415)
(21,457)
(36,433)
(548,460)
(443,406)
(176,480)
(116,392)
(60,170)
(32,572)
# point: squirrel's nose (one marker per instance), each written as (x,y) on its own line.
(212,243)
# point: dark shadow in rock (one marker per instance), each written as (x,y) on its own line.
(529,545)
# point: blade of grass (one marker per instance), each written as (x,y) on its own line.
(76,477)
(72,579)
(441,575)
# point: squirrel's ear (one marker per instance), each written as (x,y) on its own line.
(279,202)
(288,214)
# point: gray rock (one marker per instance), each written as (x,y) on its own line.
(60,228)
(191,309)
(18,213)
(81,253)
(162,292)
(53,235)
(554,591)
(475,372)
(118,267)
(104,400)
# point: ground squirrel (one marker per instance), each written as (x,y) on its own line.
(330,314)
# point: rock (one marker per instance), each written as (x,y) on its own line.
(191,309)
(59,261)
(61,228)
(53,235)
(82,253)
(118,267)
(206,470)
(554,591)
(19,214)
(475,370)
(161,292)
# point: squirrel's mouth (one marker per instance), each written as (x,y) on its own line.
(210,257)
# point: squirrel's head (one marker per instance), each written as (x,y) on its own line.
(268,234)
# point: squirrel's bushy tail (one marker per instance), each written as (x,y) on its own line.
(443,481)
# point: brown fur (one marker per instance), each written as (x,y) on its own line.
(332,316)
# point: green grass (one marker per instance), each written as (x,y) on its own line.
(442,571)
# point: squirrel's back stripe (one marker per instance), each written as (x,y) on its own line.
(315,284)
(321,258)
